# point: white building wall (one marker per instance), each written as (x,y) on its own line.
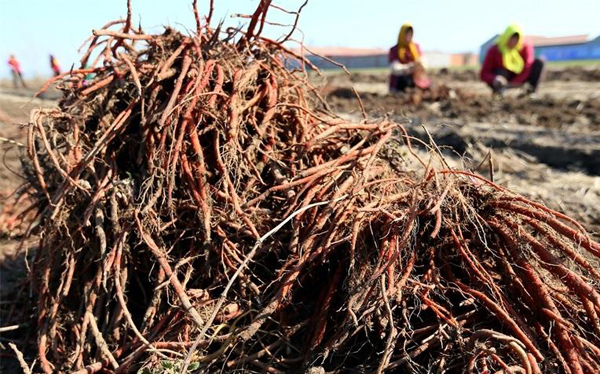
(437,59)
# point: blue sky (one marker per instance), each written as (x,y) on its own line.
(31,29)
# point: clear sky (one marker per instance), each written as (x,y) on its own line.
(31,29)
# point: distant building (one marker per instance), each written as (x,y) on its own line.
(437,59)
(367,58)
(464,59)
(564,48)
(351,58)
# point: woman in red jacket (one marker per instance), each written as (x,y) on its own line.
(15,69)
(511,63)
(405,61)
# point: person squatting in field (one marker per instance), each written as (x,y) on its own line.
(511,63)
(406,65)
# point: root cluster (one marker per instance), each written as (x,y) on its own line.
(199,206)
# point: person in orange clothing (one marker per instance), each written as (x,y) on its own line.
(405,60)
(54,66)
(15,69)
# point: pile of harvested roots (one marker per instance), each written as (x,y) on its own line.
(201,209)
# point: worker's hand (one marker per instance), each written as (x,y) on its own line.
(499,82)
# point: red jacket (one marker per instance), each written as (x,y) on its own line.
(493,61)
(408,57)
(14,65)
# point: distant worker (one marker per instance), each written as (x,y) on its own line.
(15,69)
(54,66)
(511,63)
(405,60)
